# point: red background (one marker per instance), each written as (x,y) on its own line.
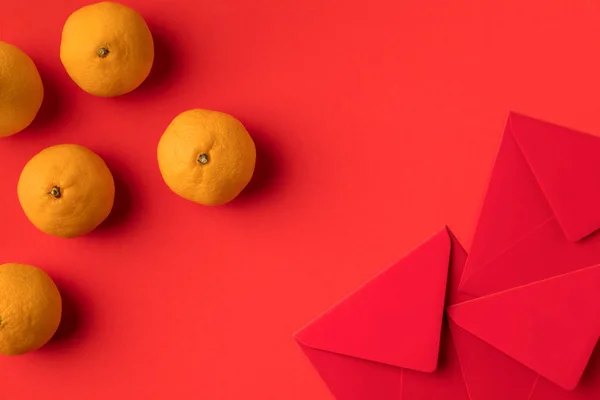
(376,123)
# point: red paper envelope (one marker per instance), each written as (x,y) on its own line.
(536,321)
(388,340)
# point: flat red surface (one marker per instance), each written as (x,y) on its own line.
(376,123)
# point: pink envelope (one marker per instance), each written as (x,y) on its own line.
(533,327)
(389,340)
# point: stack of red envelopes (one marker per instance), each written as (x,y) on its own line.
(522,310)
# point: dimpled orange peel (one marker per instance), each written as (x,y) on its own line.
(206,156)
(66,190)
(107,49)
(30,309)
(21,90)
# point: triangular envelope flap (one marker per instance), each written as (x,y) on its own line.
(566,164)
(396,317)
(550,326)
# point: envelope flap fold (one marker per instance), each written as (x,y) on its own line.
(566,164)
(353,379)
(396,317)
(550,326)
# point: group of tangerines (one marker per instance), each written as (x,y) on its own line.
(67,190)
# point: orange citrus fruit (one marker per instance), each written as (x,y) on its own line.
(66,190)
(21,90)
(30,309)
(206,156)
(107,49)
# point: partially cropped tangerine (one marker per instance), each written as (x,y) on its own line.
(21,90)
(66,190)
(30,308)
(107,49)
(207,157)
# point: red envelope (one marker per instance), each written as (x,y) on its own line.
(533,328)
(388,340)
